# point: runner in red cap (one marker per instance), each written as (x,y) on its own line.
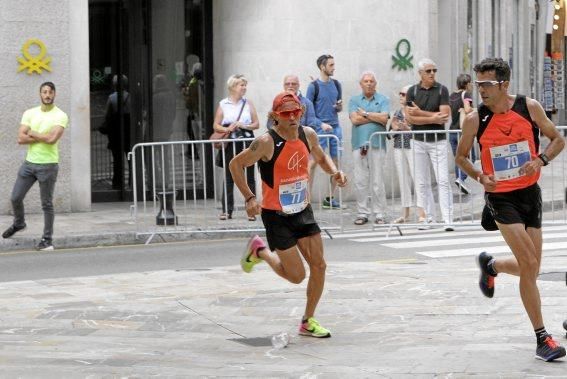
(283,159)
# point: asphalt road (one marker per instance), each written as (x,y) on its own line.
(192,255)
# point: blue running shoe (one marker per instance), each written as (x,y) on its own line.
(549,350)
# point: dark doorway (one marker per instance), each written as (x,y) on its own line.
(151,81)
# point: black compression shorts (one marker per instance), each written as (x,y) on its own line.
(283,231)
(521,206)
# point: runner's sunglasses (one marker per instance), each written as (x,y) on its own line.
(487,83)
(287,114)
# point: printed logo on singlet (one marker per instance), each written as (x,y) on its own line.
(485,118)
(279,143)
(294,162)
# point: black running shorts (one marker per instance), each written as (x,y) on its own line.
(283,231)
(521,206)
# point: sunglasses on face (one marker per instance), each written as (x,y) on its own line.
(288,84)
(288,114)
(402,93)
(430,70)
(487,83)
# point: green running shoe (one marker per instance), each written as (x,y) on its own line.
(249,258)
(312,328)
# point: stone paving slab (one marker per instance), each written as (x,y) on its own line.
(419,319)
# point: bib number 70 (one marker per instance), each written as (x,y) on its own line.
(512,161)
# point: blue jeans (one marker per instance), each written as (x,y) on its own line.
(331,141)
(46,175)
(454,140)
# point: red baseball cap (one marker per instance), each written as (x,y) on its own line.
(285,102)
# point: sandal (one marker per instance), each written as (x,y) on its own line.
(225,216)
(252,218)
(400,220)
(379,221)
(360,220)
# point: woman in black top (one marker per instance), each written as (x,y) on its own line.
(460,101)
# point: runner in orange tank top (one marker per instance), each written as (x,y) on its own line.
(288,173)
(283,159)
(516,131)
(507,128)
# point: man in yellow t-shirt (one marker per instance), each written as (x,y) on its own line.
(41,128)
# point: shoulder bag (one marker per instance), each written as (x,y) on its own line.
(224,135)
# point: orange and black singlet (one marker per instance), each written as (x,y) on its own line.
(507,141)
(285,177)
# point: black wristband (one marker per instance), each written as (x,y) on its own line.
(544,158)
(250,198)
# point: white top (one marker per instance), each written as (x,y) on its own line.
(231,110)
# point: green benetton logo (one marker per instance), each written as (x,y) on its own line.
(403,62)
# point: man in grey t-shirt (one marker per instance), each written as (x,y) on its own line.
(428,110)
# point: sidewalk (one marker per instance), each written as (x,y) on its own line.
(112,223)
(106,224)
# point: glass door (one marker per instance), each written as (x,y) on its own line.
(110,99)
(151,81)
(178,100)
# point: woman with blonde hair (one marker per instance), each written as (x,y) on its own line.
(237,115)
(403,158)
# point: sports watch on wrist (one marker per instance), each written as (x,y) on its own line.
(544,158)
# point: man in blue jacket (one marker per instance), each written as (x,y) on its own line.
(326,95)
(291,84)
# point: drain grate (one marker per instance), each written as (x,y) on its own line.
(254,341)
(554,276)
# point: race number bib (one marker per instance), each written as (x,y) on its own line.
(293,196)
(508,159)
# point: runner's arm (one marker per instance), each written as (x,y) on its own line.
(557,142)
(470,128)
(260,148)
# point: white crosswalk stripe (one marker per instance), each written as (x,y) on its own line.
(467,241)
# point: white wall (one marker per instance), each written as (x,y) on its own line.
(79,107)
(265,40)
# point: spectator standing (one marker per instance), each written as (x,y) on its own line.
(326,95)
(403,159)
(237,115)
(291,84)
(369,113)
(428,109)
(117,127)
(460,102)
(41,128)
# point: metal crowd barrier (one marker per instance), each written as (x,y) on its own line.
(173,194)
(467,208)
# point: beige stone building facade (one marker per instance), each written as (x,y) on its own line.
(180,52)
